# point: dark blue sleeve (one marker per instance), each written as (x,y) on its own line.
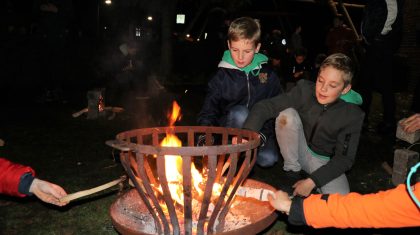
(210,112)
(296,213)
(25,183)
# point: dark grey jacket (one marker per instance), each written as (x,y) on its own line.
(331,130)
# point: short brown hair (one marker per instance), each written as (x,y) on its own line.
(342,63)
(245,28)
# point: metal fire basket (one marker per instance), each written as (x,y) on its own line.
(224,159)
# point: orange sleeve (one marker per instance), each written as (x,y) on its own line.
(386,209)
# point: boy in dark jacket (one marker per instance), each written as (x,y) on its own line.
(317,127)
(243,78)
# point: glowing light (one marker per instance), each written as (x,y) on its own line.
(188,35)
(108,2)
(180,19)
(283,42)
(149,18)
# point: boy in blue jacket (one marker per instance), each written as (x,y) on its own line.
(243,78)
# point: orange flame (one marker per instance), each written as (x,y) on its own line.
(175,115)
(173,163)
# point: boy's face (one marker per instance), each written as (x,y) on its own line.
(243,51)
(299,59)
(330,85)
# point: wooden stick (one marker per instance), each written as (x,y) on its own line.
(76,114)
(112,109)
(74,196)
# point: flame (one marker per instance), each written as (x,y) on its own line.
(173,163)
(101,105)
(175,115)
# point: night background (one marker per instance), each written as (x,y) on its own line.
(54,51)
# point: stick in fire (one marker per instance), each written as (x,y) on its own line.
(114,111)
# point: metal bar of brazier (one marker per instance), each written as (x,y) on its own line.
(220,160)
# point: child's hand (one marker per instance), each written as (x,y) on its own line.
(298,74)
(280,201)
(412,123)
(303,187)
(48,192)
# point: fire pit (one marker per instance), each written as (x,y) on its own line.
(202,197)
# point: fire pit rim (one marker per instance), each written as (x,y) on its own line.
(253,140)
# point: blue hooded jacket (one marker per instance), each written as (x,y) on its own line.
(232,86)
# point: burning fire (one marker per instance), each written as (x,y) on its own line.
(173,163)
(101,106)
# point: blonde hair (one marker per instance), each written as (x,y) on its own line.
(342,63)
(245,28)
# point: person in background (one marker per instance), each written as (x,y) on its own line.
(130,76)
(242,79)
(298,69)
(318,127)
(20,181)
(381,31)
(296,40)
(278,62)
(393,208)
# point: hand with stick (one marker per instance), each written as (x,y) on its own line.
(48,192)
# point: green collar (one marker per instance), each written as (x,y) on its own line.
(352,97)
(255,63)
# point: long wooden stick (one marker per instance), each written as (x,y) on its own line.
(112,109)
(74,196)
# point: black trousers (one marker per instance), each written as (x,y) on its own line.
(377,75)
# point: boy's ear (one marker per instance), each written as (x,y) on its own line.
(257,49)
(346,89)
(228,43)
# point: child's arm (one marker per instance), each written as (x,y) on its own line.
(386,209)
(270,108)
(10,176)
(211,110)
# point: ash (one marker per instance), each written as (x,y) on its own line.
(133,215)
(233,221)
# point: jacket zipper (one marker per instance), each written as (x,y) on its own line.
(249,91)
(316,124)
